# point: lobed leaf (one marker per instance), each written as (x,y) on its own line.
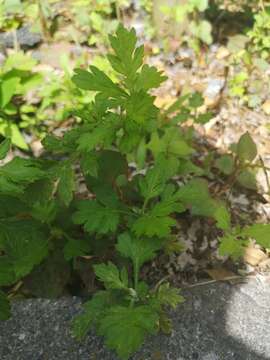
(97,217)
(125,328)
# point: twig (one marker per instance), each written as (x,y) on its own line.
(265,173)
(229,278)
(262,5)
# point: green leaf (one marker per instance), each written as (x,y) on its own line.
(19,172)
(140,108)
(204,118)
(45,212)
(149,78)
(150,225)
(4,148)
(195,195)
(53,143)
(96,80)
(8,88)
(97,217)
(136,249)
(75,248)
(225,164)
(201,5)
(24,244)
(222,216)
(196,100)
(127,59)
(247,179)
(153,183)
(110,276)
(171,143)
(102,135)
(246,148)
(125,328)
(204,32)
(111,164)
(232,246)
(157,144)
(7,274)
(12,131)
(5,309)
(169,204)
(167,295)
(259,232)
(66,184)
(22,170)
(93,311)
(89,164)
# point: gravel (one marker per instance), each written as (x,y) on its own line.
(217,322)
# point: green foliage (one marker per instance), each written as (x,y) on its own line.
(140,171)
(4,307)
(125,315)
(197,29)
(250,57)
(235,241)
(242,164)
(259,35)
(16,80)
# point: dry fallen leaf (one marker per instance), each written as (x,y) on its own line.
(222,53)
(254,256)
(265,265)
(164,101)
(266,107)
(220,274)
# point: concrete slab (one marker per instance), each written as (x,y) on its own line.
(217,322)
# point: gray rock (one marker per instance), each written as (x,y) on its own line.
(24,36)
(216,322)
(214,87)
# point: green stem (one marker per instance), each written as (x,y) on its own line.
(118,12)
(145,205)
(260,166)
(136,274)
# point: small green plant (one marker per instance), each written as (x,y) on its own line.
(16,80)
(197,29)
(259,35)
(131,156)
(246,82)
(10,14)
(128,310)
(241,165)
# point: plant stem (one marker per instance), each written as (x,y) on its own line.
(265,173)
(262,5)
(145,205)
(136,274)
(118,11)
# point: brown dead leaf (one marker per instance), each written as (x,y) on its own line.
(222,53)
(254,256)
(164,101)
(266,107)
(265,264)
(220,274)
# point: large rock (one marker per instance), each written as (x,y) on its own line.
(217,322)
(24,36)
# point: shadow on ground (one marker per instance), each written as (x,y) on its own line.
(216,322)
